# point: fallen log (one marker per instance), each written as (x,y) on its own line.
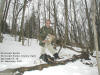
(21,70)
(42,66)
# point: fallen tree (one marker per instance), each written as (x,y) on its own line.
(21,70)
(83,55)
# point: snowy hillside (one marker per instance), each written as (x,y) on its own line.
(26,56)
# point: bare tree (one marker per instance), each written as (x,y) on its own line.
(55,18)
(6,9)
(44,12)
(39,19)
(95,35)
(16,11)
(5,14)
(1,15)
(89,28)
(22,23)
(13,20)
(66,20)
(49,9)
(97,3)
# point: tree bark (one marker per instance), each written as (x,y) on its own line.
(1,15)
(66,21)
(55,19)
(6,10)
(6,13)
(96,36)
(22,23)
(49,9)
(44,13)
(38,19)
(90,28)
(97,3)
(13,20)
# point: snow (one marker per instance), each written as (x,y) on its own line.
(9,46)
(31,58)
(76,68)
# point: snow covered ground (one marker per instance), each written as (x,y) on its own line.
(29,56)
(76,68)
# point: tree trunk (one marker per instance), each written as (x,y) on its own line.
(66,20)
(6,13)
(44,13)
(22,23)
(16,17)
(13,20)
(38,19)
(49,9)
(91,43)
(98,19)
(55,19)
(96,36)
(1,15)
(6,10)
(75,26)
(99,27)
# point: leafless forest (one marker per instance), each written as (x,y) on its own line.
(75,22)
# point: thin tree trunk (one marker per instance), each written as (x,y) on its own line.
(90,28)
(55,18)
(98,19)
(6,3)
(28,29)
(7,10)
(22,23)
(75,23)
(44,13)
(16,19)
(49,9)
(6,13)
(38,19)
(1,15)
(13,20)
(96,36)
(66,21)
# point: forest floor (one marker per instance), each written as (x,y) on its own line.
(13,55)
